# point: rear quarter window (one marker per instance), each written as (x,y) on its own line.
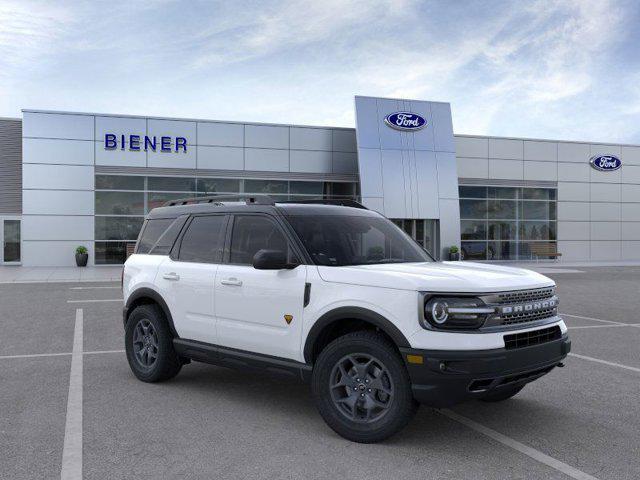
(159,235)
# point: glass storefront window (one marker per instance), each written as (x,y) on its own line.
(218,185)
(265,186)
(502,230)
(110,253)
(117,228)
(171,184)
(119,203)
(503,226)
(157,199)
(119,182)
(502,209)
(474,209)
(502,192)
(306,188)
(473,230)
(472,192)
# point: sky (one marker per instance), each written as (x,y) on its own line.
(566,69)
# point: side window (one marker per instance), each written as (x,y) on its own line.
(203,240)
(152,231)
(168,238)
(253,233)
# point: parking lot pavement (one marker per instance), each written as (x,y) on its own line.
(581,421)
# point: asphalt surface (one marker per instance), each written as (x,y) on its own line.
(212,422)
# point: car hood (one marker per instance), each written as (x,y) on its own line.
(437,277)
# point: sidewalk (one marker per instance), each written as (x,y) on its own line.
(19,274)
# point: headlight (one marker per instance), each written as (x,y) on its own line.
(455,313)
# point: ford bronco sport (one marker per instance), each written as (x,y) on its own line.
(337,296)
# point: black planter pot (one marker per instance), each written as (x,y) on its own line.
(81,259)
(454,257)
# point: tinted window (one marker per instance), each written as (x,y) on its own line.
(203,240)
(253,233)
(119,203)
(117,228)
(119,182)
(151,233)
(355,240)
(167,239)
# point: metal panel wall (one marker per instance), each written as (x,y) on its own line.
(409,174)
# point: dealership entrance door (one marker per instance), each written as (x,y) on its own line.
(10,236)
(425,232)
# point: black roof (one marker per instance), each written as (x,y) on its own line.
(258,203)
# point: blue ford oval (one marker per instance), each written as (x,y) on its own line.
(405,121)
(605,163)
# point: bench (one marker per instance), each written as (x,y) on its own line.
(544,250)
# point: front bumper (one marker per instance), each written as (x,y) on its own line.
(447,377)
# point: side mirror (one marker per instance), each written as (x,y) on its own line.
(271,260)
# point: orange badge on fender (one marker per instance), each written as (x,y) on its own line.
(288,318)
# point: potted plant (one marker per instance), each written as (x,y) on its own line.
(82,256)
(454,253)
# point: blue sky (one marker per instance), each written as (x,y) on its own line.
(546,69)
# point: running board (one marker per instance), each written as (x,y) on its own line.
(240,359)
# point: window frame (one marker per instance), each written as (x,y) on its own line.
(174,254)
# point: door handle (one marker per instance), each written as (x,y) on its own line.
(231,281)
(171,276)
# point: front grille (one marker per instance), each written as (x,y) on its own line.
(522,306)
(526,295)
(534,337)
(515,318)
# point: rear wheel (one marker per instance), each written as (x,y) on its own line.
(362,389)
(502,394)
(149,345)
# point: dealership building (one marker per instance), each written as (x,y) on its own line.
(70,179)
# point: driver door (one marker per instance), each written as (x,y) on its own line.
(259,310)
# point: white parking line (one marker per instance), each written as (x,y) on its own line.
(591,318)
(601,326)
(94,288)
(605,362)
(62,354)
(96,301)
(100,352)
(520,447)
(34,355)
(72,450)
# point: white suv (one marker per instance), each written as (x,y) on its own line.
(338,296)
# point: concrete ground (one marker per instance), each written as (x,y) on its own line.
(20,274)
(70,407)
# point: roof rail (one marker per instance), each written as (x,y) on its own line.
(249,200)
(342,202)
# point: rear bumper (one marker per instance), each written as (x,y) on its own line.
(449,377)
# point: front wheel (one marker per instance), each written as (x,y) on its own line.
(362,389)
(149,345)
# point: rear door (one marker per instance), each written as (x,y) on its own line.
(259,310)
(187,277)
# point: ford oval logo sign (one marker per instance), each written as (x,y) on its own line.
(405,121)
(605,163)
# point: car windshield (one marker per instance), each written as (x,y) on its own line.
(339,240)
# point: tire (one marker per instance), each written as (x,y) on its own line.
(364,415)
(166,364)
(502,394)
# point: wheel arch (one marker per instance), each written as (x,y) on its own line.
(147,296)
(334,319)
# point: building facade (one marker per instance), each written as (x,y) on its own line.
(70,179)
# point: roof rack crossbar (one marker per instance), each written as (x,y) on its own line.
(249,200)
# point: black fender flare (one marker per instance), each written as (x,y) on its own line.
(145,292)
(352,313)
